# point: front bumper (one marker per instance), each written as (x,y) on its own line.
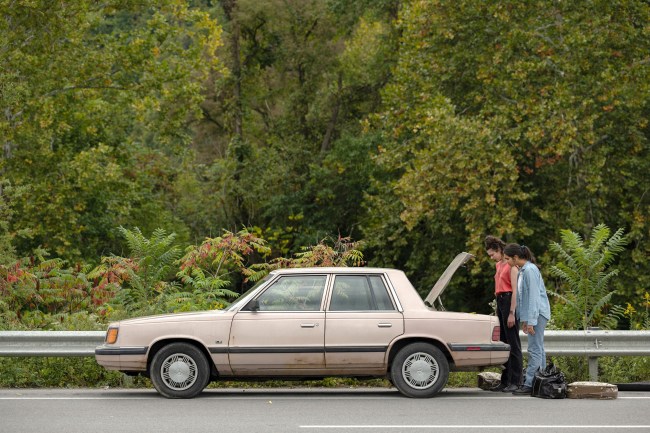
(122,358)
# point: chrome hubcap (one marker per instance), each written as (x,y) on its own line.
(420,370)
(178,371)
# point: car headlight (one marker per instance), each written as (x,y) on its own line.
(111,335)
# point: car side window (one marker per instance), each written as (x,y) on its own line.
(293,293)
(360,293)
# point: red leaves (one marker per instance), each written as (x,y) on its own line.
(342,252)
(230,249)
(37,284)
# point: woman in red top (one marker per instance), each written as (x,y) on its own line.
(505,291)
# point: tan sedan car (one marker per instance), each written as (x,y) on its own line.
(311,323)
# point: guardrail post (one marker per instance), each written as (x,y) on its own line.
(593,368)
(592,361)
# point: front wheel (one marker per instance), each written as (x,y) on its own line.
(420,370)
(179,370)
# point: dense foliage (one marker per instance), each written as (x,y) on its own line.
(517,119)
(418,126)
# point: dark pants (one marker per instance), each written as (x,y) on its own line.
(512,374)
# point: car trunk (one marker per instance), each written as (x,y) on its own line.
(442,283)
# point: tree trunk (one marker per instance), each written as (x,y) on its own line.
(229,7)
(336,108)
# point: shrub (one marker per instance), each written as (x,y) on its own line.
(38,293)
(583,271)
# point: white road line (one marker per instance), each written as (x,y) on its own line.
(482,427)
(265,397)
(75,398)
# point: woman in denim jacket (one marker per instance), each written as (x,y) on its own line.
(533,309)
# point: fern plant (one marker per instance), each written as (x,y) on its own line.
(141,279)
(155,257)
(584,273)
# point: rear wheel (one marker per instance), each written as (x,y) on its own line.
(179,370)
(420,370)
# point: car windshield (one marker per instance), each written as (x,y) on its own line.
(242,297)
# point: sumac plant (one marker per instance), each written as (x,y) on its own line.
(208,271)
(37,284)
(329,252)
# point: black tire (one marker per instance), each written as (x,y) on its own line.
(419,370)
(179,370)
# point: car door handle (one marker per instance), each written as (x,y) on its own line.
(385,325)
(308,325)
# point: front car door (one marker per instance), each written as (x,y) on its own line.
(281,330)
(362,320)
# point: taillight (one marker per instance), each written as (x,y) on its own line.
(496,333)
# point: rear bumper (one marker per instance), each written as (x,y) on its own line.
(468,355)
(496,347)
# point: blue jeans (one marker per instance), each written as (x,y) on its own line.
(536,354)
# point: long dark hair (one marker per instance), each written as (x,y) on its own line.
(521,251)
(494,243)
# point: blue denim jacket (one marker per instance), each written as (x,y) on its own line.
(533,301)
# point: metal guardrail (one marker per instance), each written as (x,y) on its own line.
(594,343)
(50,343)
(591,343)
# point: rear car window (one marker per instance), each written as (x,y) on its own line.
(360,293)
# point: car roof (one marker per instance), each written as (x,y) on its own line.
(441,284)
(337,270)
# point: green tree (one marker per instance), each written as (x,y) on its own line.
(585,279)
(98,100)
(513,118)
(9,195)
(290,107)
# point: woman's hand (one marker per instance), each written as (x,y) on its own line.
(511,320)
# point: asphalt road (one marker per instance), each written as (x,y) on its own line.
(313,411)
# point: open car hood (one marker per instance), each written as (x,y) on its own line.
(444,279)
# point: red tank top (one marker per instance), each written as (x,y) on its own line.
(502,278)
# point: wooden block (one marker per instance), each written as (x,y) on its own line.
(595,390)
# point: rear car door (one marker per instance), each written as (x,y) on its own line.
(362,319)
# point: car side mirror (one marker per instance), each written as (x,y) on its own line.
(253,305)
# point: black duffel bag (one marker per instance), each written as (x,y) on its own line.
(549,383)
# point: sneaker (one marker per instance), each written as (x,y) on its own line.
(523,390)
(510,388)
(499,387)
